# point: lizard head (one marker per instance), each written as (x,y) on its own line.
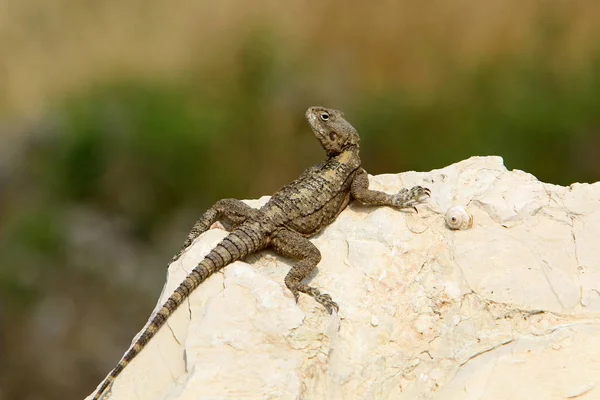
(333,131)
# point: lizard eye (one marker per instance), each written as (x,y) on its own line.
(332,135)
(324,116)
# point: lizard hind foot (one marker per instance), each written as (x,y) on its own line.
(322,298)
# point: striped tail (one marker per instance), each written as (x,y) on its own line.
(233,247)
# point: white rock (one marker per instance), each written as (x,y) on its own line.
(509,309)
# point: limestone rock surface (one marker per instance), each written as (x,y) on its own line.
(509,309)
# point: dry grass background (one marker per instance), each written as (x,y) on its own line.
(49,48)
(60,345)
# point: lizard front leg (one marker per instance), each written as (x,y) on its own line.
(292,245)
(232,211)
(405,198)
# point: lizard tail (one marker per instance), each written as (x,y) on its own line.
(233,247)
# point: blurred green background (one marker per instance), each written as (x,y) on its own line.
(122,121)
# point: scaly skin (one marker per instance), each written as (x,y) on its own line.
(295,212)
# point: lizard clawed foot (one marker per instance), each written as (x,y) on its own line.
(407,198)
(324,299)
(296,294)
(176,257)
(186,244)
(328,303)
(321,298)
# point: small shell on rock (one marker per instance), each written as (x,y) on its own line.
(458,217)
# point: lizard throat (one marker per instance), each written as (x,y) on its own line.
(348,148)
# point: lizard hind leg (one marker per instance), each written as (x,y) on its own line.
(232,211)
(292,245)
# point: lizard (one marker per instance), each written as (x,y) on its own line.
(294,213)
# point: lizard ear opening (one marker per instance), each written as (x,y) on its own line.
(332,136)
